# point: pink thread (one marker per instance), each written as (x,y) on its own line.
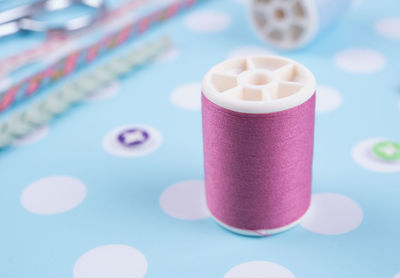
(143,24)
(124,35)
(92,53)
(173,9)
(258,167)
(8,98)
(32,86)
(70,63)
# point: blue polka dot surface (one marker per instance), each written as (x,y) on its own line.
(114,187)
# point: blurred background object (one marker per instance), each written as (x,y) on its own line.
(290,24)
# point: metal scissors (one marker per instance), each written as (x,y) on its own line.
(23,18)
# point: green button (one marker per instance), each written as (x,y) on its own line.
(387,150)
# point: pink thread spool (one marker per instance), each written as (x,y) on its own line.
(258,133)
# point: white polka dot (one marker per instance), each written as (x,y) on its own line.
(185,200)
(187,96)
(259,269)
(111,261)
(328,99)
(389,27)
(357,3)
(360,60)
(32,137)
(169,55)
(243,2)
(163,2)
(362,154)
(332,214)
(5,84)
(52,195)
(207,21)
(249,50)
(397,275)
(107,92)
(114,147)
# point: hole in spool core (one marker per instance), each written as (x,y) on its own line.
(256,79)
(280,14)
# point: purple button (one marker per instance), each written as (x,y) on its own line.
(133,137)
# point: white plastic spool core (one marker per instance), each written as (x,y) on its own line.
(258,84)
(286,24)
(265,232)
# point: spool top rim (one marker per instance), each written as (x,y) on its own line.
(258,84)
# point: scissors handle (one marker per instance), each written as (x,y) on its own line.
(9,19)
(22,18)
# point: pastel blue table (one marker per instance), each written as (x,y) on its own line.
(77,202)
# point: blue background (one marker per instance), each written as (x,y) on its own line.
(122,204)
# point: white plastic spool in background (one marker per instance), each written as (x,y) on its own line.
(258,85)
(290,24)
